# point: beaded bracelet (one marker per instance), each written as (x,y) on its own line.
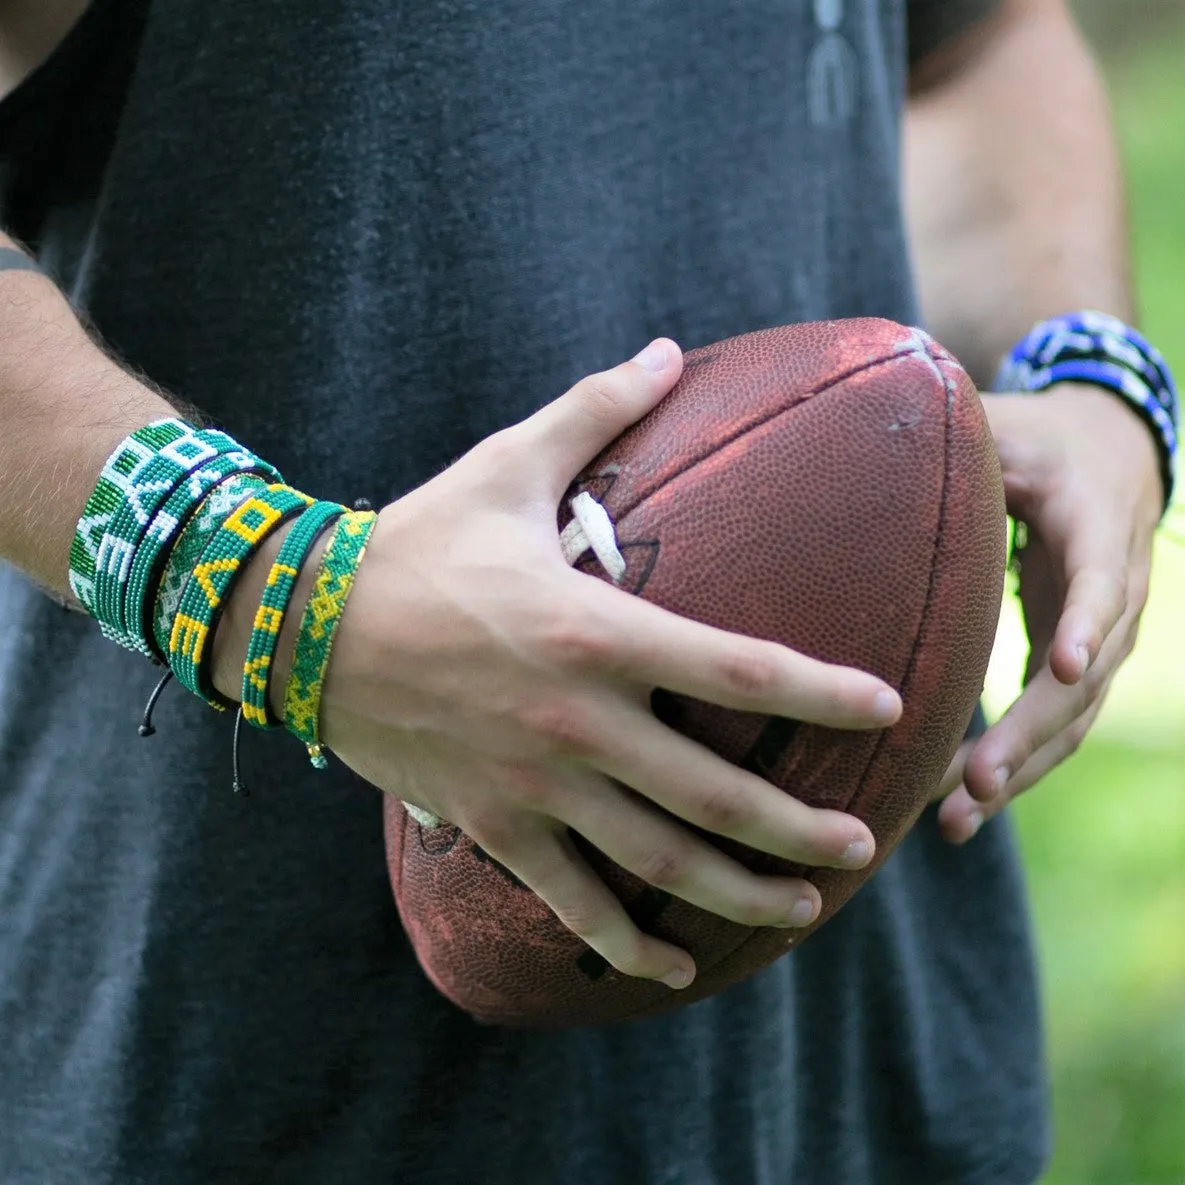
(131,454)
(1095,348)
(213,578)
(269,618)
(218,506)
(124,527)
(148,488)
(154,548)
(314,642)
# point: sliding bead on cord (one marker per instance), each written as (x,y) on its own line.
(273,608)
(318,627)
(213,578)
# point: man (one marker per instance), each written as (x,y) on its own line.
(366,238)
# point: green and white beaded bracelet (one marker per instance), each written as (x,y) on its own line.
(153,551)
(213,578)
(88,549)
(269,618)
(124,518)
(218,506)
(314,642)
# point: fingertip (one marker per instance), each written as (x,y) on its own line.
(887,706)
(858,854)
(660,355)
(958,824)
(680,978)
(1070,660)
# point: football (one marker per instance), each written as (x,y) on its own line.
(833,487)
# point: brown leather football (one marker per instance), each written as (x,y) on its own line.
(833,487)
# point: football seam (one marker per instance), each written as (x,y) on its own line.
(910,667)
(724,442)
(939,535)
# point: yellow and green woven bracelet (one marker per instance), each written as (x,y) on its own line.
(314,642)
(273,607)
(213,577)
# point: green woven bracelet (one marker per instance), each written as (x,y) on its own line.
(213,578)
(269,618)
(91,544)
(124,526)
(218,506)
(147,490)
(314,642)
(153,549)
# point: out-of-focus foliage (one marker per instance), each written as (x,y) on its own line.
(1104,836)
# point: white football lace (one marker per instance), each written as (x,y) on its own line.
(591,528)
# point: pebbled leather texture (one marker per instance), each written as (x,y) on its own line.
(831,486)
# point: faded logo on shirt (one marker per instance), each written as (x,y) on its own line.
(833,69)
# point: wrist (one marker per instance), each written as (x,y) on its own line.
(1091,350)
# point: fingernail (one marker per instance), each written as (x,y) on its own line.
(856,854)
(974,823)
(653,358)
(1000,779)
(1083,659)
(803,913)
(886,706)
(678,979)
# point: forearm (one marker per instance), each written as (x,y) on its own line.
(64,406)
(1013,189)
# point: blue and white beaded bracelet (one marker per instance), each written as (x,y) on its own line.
(1095,348)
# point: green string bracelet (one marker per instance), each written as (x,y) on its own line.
(213,577)
(269,618)
(318,626)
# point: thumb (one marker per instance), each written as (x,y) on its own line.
(573,429)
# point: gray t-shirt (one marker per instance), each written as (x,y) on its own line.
(363,235)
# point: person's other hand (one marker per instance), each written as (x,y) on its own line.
(1081,472)
(479,677)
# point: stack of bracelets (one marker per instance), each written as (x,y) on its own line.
(179,511)
(177,514)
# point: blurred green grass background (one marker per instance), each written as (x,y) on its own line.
(1104,836)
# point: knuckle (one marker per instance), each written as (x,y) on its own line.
(751,673)
(578,642)
(721,810)
(603,397)
(584,918)
(534,789)
(565,727)
(664,868)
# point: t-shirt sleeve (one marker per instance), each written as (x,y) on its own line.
(934,23)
